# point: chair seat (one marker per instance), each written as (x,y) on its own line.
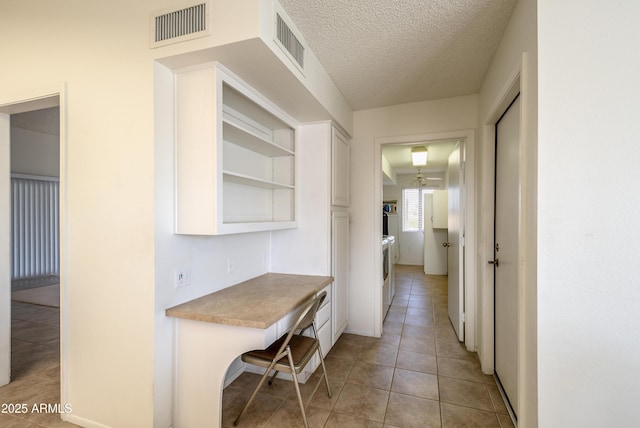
(302,349)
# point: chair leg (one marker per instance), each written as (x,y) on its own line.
(324,371)
(273,377)
(253,395)
(295,384)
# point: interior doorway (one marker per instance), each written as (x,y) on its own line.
(468,262)
(37,102)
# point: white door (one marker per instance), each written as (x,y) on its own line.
(5,256)
(455,234)
(506,251)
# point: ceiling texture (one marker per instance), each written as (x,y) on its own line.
(388,52)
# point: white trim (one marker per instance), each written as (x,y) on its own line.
(469,138)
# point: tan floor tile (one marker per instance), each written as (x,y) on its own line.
(289,415)
(387,339)
(414,344)
(10,421)
(322,400)
(260,410)
(419,302)
(423,312)
(408,411)
(465,393)
(338,420)
(362,402)
(395,308)
(394,317)
(418,384)
(345,349)
(456,416)
(496,399)
(338,369)
(422,332)
(392,327)
(505,421)
(372,375)
(462,369)
(378,354)
(417,362)
(418,320)
(453,348)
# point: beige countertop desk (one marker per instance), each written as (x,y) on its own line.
(213,330)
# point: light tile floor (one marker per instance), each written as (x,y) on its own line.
(35,368)
(416,375)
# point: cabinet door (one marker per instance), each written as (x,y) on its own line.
(440,217)
(339,169)
(340,255)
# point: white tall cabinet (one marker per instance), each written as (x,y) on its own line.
(320,243)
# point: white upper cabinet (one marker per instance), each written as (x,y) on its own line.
(340,169)
(235,156)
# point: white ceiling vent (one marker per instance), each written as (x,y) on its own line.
(172,26)
(289,41)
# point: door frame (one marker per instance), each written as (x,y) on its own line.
(34,100)
(517,81)
(469,138)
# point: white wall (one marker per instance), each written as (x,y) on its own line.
(107,328)
(35,142)
(35,153)
(366,188)
(588,234)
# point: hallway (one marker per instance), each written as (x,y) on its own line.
(416,375)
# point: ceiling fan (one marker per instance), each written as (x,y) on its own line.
(421,181)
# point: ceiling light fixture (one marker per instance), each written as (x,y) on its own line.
(419,156)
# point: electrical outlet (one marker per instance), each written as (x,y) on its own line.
(230,268)
(182,277)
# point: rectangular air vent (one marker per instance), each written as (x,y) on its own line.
(289,42)
(175,26)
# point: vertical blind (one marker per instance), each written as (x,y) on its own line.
(35,231)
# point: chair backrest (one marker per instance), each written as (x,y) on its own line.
(306,317)
(310,316)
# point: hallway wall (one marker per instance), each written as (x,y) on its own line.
(588,234)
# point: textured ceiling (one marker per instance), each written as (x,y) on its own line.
(386,52)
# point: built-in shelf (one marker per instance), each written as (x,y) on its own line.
(246,180)
(235,155)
